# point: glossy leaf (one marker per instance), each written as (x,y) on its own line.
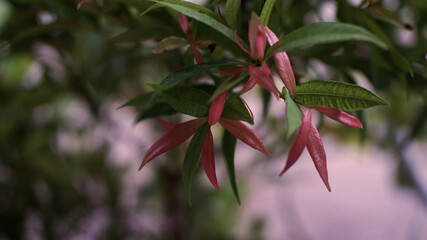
(263,79)
(325,32)
(172,138)
(338,95)
(318,155)
(242,132)
(299,143)
(208,159)
(228,148)
(293,116)
(340,116)
(235,109)
(232,12)
(156,110)
(192,158)
(170,43)
(266,11)
(283,64)
(187,100)
(199,13)
(217,106)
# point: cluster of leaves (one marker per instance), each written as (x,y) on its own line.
(235,75)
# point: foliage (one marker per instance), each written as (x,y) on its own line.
(54,56)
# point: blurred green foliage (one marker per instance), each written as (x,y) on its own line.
(55,184)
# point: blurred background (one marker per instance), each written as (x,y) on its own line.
(69,156)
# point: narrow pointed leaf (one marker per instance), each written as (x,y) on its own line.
(293,116)
(338,95)
(256,36)
(228,148)
(199,13)
(216,108)
(170,43)
(156,110)
(283,64)
(242,132)
(208,159)
(263,80)
(231,14)
(192,158)
(266,11)
(325,32)
(164,124)
(317,153)
(236,109)
(340,116)
(187,100)
(299,143)
(140,100)
(228,84)
(172,138)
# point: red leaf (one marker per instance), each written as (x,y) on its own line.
(248,85)
(299,143)
(263,79)
(340,116)
(232,71)
(283,64)
(81,2)
(183,22)
(196,53)
(164,124)
(208,159)
(317,153)
(238,43)
(172,138)
(242,132)
(256,37)
(217,107)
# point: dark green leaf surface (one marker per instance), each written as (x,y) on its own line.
(338,95)
(293,116)
(193,71)
(192,158)
(324,32)
(170,43)
(228,148)
(156,110)
(199,13)
(235,109)
(188,100)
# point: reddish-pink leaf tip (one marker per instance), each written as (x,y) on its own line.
(172,138)
(340,116)
(317,153)
(299,143)
(208,159)
(216,108)
(242,132)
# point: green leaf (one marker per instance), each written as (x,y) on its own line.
(192,158)
(324,32)
(156,110)
(201,14)
(170,43)
(187,100)
(235,109)
(228,148)
(232,11)
(194,70)
(338,95)
(227,84)
(293,116)
(266,11)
